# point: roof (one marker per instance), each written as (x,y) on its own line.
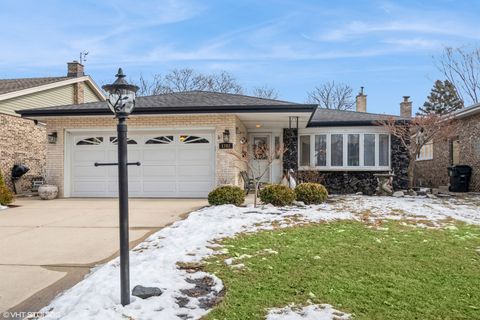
(332,117)
(468,111)
(180,102)
(11,85)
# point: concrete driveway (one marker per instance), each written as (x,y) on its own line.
(48,246)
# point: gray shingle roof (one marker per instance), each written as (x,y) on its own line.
(180,102)
(11,85)
(332,117)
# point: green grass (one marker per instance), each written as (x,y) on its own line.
(400,273)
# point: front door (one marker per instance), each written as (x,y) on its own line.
(260,162)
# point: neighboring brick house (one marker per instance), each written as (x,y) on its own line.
(24,140)
(178,138)
(462,149)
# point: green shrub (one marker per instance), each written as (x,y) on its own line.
(277,194)
(6,196)
(311,193)
(227,195)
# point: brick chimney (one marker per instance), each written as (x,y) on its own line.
(361,101)
(406,107)
(75,69)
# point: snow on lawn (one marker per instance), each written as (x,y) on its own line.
(3,207)
(156,261)
(313,312)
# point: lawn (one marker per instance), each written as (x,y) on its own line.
(397,271)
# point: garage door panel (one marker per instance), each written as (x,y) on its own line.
(169,167)
(160,155)
(159,171)
(90,156)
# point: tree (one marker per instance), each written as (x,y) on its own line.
(265,92)
(417,132)
(443,99)
(186,79)
(258,159)
(331,95)
(461,66)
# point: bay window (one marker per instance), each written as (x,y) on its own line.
(349,150)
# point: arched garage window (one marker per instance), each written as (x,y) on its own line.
(93,141)
(160,140)
(192,139)
(114,140)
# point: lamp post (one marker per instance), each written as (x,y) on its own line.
(121,100)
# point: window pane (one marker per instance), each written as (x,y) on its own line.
(337,150)
(321,150)
(369,150)
(353,149)
(383,150)
(304,151)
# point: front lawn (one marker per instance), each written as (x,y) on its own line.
(396,271)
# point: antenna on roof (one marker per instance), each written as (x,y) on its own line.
(83,56)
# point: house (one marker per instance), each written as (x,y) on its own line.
(462,149)
(24,140)
(179,140)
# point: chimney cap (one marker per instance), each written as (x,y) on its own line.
(405,98)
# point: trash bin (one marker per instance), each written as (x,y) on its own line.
(459,178)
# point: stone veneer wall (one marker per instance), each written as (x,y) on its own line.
(22,141)
(227,171)
(433,173)
(290,143)
(400,159)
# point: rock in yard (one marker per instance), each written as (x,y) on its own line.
(299,203)
(412,193)
(360,193)
(431,196)
(398,194)
(146,292)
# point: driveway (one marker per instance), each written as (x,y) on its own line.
(48,246)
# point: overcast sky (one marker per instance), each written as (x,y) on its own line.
(292,46)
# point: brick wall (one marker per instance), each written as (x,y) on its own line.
(433,173)
(22,141)
(227,172)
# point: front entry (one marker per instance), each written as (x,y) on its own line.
(260,149)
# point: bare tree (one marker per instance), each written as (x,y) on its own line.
(419,131)
(186,79)
(265,92)
(461,67)
(258,161)
(331,95)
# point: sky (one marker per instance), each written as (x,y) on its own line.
(389,47)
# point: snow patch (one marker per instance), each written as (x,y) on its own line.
(312,312)
(3,207)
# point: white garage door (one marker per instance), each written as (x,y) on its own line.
(177,164)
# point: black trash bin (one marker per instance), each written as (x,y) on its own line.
(459,178)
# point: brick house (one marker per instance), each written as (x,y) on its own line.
(462,149)
(24,140)
(177,138)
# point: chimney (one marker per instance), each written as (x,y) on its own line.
(75,69)
(406,107)
(361,101)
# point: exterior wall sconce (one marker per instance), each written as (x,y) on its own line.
(52,137)
(226,136)
(226,144)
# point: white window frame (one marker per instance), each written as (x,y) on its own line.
(426,152)
(345,131)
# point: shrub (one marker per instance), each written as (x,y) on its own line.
(6,196)
(311,193)
(277,194)
(226,195)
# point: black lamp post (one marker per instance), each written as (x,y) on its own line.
(121,100)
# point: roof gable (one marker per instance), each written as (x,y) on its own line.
(11,85)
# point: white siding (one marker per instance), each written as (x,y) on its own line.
(89,94)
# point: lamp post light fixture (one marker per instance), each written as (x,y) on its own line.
(121,100)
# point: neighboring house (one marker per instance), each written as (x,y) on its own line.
(178,138)
(24,140)
(462,149)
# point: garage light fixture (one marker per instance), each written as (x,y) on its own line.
(121,95)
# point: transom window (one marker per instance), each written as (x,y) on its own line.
(114,140)
(192,139)
(349,151)
(160,140)
(93,141)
